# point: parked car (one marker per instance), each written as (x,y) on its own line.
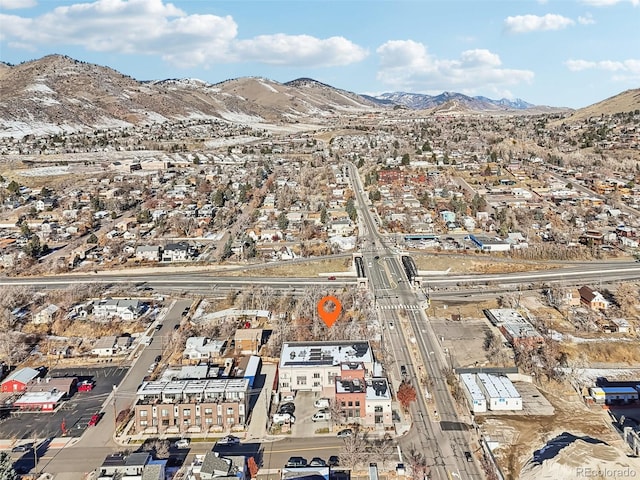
(229,440)
(287,408)
(283,418)
(334,461)
(288,398)
(95,418)
(403,370)
(332,277)
(321,403)
(158,326)
(468,456)
(296,462)
(25,447)
(347,432)
(320,416)
(182,443)
(317,462)
(152,367)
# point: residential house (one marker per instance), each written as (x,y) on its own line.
(178,252)
(202,348)
(126,309)
(593,299)
(215,466)
(120,465)
(111,345)
(151,253)
(248,340)
(342,227)
(45,315)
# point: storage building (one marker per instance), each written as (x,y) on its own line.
(614,395)
(499,392)
(475,397)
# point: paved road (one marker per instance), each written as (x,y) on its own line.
(437,431)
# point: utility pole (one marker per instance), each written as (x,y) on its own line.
(115,411)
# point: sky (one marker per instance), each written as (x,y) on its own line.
(564,53)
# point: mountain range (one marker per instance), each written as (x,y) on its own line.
(57,93)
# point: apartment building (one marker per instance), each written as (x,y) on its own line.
(192,406)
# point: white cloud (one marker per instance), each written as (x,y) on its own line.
(299,50)
(534,23)
(407,65)
(626,70)
(608,3)
(586,20)
(15,4)
(153,27)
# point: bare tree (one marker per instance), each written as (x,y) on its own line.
(353,451)
(417,463)
(13,348)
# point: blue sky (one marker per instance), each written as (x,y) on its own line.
(561,53)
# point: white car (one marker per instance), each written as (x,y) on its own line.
(182,443)
(287,398)
(321,403)
(320,416)
(283,418)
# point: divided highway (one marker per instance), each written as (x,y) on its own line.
(437,431)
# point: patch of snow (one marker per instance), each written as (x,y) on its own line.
(152,116)
(18,129)
(40,88)
(47,101)
(238,117)
(107,122)
(46,171)
(268,87)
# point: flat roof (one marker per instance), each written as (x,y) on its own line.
(37,398)
(301,354)
(469,380)
(498,387)
(194,386)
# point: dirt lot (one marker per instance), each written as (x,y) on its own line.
(475,263)
(520,436)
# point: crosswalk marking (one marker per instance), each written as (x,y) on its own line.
(414,308)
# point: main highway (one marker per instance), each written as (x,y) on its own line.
(437,431)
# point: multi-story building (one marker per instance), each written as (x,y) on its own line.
(192,405)
(314,366)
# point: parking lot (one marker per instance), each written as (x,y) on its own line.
(75,413)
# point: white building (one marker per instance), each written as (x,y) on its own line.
(314,366)
(499,392)
(475,396)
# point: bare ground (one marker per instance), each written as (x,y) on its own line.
(520,436)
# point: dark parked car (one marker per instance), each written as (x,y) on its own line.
(289,408)
(297,462)
(334,461)
(347,432)
(468,456)
(158,326)
(403,370)
(158,358)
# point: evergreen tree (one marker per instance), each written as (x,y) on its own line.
(7,472)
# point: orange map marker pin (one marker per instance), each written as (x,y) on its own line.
(329,318)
